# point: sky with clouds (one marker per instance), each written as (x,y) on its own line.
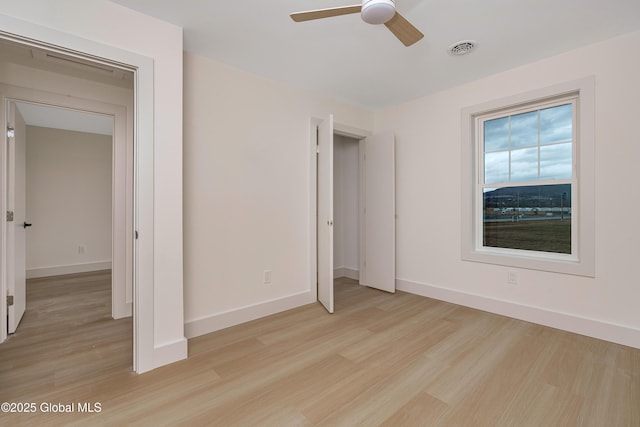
(537,145)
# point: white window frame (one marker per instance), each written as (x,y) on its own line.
(582,259)
(478,203)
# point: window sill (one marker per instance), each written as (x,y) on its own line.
(543,263)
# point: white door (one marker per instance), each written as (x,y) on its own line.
(379,213)
(325,213)
(16,254)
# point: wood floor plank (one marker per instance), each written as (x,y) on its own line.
(422,410)
(380,359)
(512,370)
(383,399)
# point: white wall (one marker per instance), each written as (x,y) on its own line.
(428,154)
(247,192)
(345,207)
(118,31)
(68,192)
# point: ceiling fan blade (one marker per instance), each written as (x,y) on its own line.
(325,13)
(403,30)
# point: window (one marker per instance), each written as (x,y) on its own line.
(528,180)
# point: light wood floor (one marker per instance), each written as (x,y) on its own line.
(381,359)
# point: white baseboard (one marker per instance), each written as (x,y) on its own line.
(122,310)
(350,273)
(618,334)
(215,322)
(67,269)
(170,352)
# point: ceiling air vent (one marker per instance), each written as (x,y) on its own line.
(462,47)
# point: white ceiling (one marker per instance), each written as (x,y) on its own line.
(63,118)
(346,59)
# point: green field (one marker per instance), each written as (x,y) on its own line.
(544,236)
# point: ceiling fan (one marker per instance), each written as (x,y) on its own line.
(372,12)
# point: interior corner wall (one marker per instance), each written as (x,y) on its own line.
(345,207)
(428,150)
(68,177)
(76,21)
(247,192)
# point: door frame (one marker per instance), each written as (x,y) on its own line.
(121,184)
(29,34)
(338,129)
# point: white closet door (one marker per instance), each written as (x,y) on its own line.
(379,228)
(325,213)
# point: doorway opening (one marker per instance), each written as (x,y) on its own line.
(374,228)
(346,204)
(346,214)
(83,80)
(69,181)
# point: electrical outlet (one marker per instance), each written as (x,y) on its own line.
(267,277)
(512,277)
(82,249)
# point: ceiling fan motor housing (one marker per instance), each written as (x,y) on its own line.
(378,11)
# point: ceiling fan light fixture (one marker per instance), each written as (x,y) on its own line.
(372,12)
(378,11)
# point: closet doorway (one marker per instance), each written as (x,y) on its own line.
(375,225)
(346,204)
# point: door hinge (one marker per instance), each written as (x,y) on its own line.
(136,232)
(9,300)
(317,148)
(9,216)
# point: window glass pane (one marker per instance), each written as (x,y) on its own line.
(556,161)
(535,218)
(496,167)
(524,164)
(556,124)
(496,134)
(524,130)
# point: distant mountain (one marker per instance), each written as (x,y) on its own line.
(535,196)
